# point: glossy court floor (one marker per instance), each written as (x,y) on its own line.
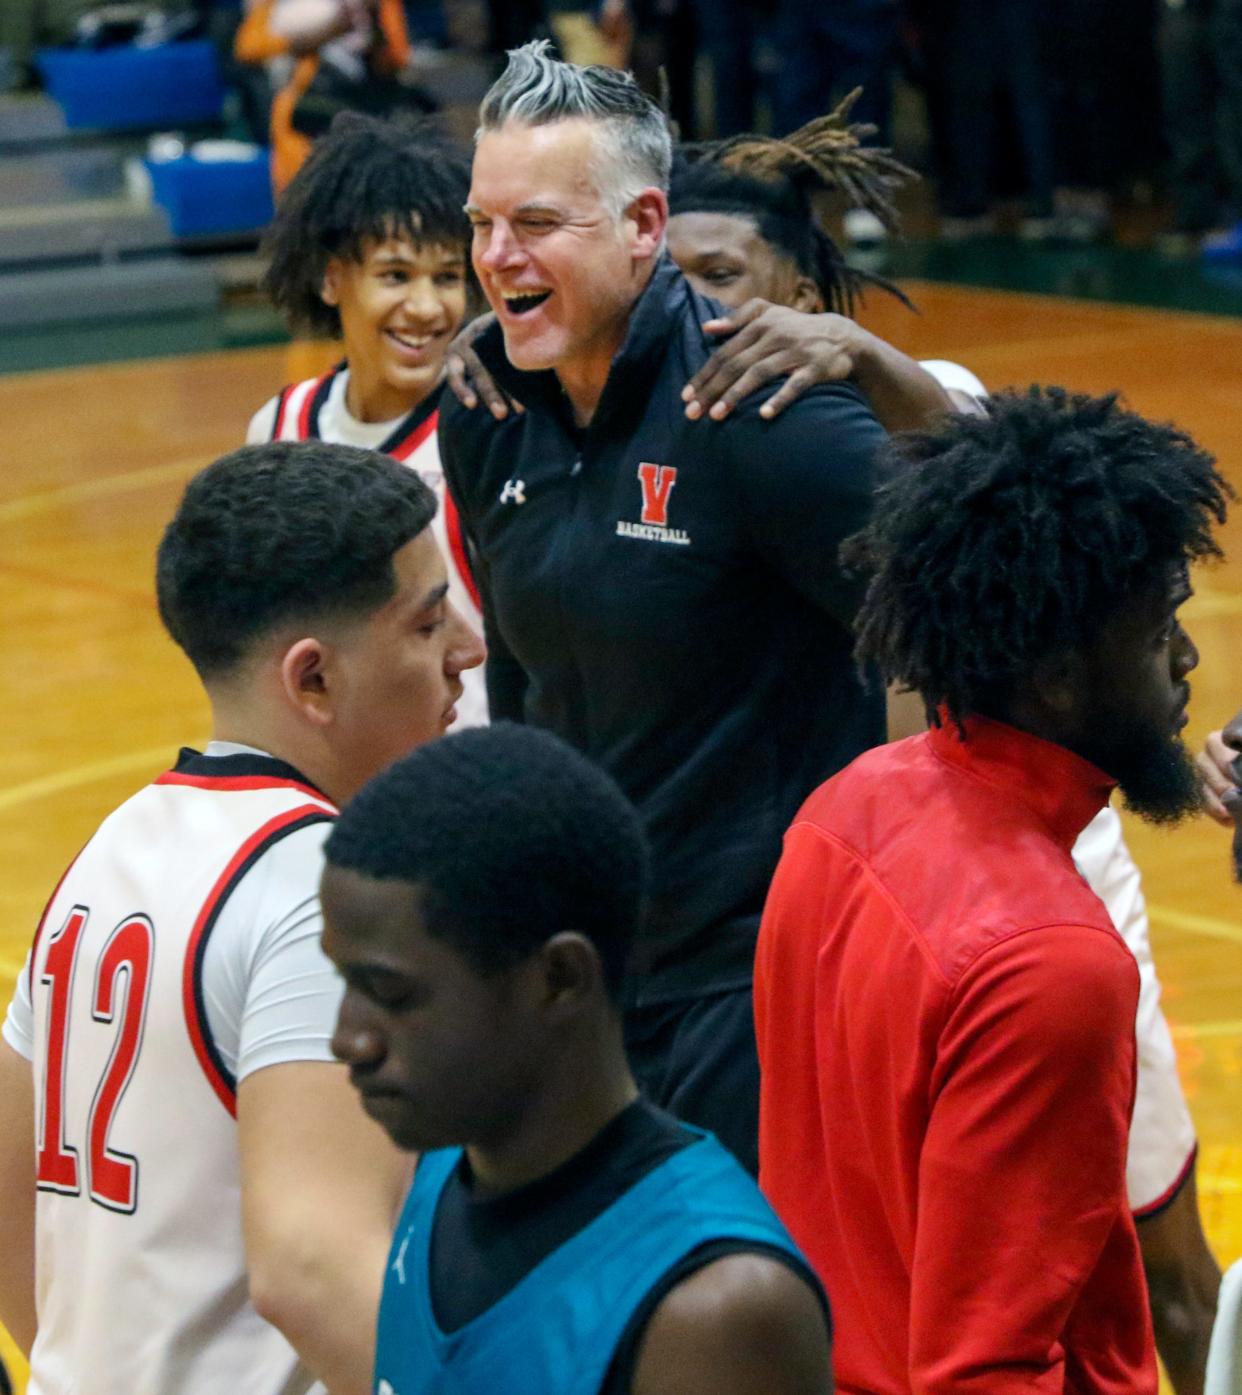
(97,700)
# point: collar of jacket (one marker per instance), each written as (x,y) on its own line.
(1062,789)
(636,366)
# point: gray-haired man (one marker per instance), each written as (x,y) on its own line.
(663,594)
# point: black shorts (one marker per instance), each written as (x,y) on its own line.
(698,1060)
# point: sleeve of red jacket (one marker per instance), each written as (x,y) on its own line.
(1022,1173)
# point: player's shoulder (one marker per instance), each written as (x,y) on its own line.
(730,1317)
(263,423)
(470,426)
(296,858)
(474,448)
(839,406)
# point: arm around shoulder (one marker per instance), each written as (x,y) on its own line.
(806,482)
(746,1324)
(321,1186)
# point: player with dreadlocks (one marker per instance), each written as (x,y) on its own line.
(937,991)
(743,227)
(369,245)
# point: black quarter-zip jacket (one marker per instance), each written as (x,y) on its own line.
(666,596)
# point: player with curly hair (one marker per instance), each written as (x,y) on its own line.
(938,992)
(369,245)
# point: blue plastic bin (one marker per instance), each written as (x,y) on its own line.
(129,88)
(213,196)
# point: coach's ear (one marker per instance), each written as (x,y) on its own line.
(646,221)
(303,680)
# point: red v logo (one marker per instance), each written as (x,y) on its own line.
(657,482)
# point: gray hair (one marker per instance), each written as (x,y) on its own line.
(635,147)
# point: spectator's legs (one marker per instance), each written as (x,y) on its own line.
(827,51)
(249,80)
(427,22)
(727,35)
(665,36)
(1226,39)
(1188,90)
(18,30)
(970,39)
(511,22)
(1019,39)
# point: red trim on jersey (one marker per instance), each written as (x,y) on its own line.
(457,546)
(225,1090)
(404,449)
(1145,1213)
(304,416)
(47,909)
(282,402)
(238,782)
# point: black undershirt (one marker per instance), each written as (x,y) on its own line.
(481,1247)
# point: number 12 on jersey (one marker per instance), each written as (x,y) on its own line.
(112,1177)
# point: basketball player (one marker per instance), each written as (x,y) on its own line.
(370,244)
(562,1234)
(183,1165)
(937,991)
(742,225)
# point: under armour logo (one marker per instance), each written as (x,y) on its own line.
(514,492)
(386,1389)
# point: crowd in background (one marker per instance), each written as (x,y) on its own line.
(1047,109)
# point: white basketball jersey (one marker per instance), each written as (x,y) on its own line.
(315,409)
(141,1277)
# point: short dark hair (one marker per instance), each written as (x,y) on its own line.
(999,540)
(280,532)
(776,181)
(366,180)
(513,837)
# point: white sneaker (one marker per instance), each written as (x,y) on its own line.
(863,228)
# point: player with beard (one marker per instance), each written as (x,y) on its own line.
(937,991)
(742,225)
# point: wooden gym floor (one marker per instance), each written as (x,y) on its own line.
(99,700)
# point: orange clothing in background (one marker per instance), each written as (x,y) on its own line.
(256,43)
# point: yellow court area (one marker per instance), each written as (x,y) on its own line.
(97,700)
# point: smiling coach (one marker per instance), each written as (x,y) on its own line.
(662,594)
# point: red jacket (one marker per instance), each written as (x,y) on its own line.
(945,1018)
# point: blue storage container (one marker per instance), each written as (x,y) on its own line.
(130,88)
(213,196)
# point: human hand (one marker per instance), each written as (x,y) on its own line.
(1219,774)
(615,24)
(770,341)
(468,378)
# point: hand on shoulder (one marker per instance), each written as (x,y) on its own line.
(766,342)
